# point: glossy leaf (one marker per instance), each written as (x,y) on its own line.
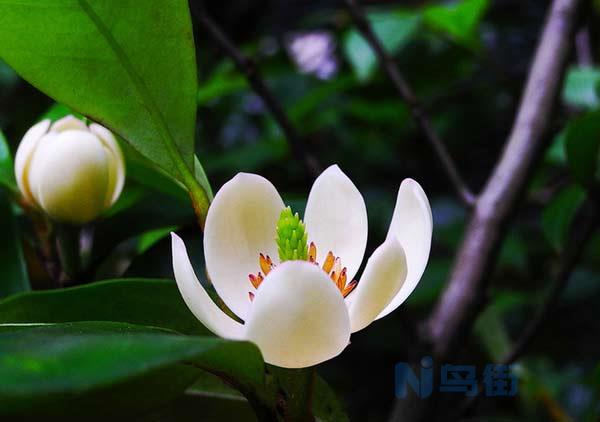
(111,62)
(46,368)
(136,301)
(394,30)
(14,271)
(582,147)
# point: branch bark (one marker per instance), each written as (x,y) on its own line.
(248,67)
(406,93)
(455,311)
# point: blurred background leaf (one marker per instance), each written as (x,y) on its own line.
(581,87)
(14,277)
(582,146)
(394,29)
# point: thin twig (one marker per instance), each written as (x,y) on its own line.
(406,93)
(248,67)
(456,310)
(583,46)
(578,239)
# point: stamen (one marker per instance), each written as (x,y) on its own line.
(349,288)
(255,279)
(251,296)
(341,282)
(334,277)
(312,252)
(337,265)
(328,264)
(265,265)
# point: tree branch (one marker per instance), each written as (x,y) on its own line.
(406,93)
(248,67)
(455,311)
(579,237)
(577,242)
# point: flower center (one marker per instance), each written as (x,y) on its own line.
(292,245)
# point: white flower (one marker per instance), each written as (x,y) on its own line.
(298,312)
(69,170)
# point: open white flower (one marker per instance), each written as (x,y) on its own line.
(301,312)
(70,170)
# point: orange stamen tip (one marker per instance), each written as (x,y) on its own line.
(255,280)
(349,288)
(312,252)
(265,266)
(334,276)
(342,280)
(329,260)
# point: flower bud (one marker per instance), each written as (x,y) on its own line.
(71,171)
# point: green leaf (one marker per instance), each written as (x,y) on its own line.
(202,179)
(582,146)
(131,68)
(580,88)
(460,20)
(559,213)
(7,170)
(394,30)
(492,333)
(14,271)
(51,368)
(136,301)
(326,406)
(223,81)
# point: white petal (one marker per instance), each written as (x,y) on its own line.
(69,122)
(240,224)
(412,225)
(196,298)
(336,219)
(116,162)
(25,153)
(68,176)
(380,282)
(298,317)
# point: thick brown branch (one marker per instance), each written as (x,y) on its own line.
(248,67)
(406,93)
(456,309)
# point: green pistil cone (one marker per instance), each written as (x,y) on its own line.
(291,237)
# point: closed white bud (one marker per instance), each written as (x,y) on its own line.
(71,171)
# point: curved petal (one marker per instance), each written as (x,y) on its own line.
(298,317)
(116,169)
(412,225)
(68,176)
(240,224)
(336,219)
(382,279)
(69,122)
(25,153)
(196,298)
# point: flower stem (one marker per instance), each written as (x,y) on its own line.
(68,246)
(295,392)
